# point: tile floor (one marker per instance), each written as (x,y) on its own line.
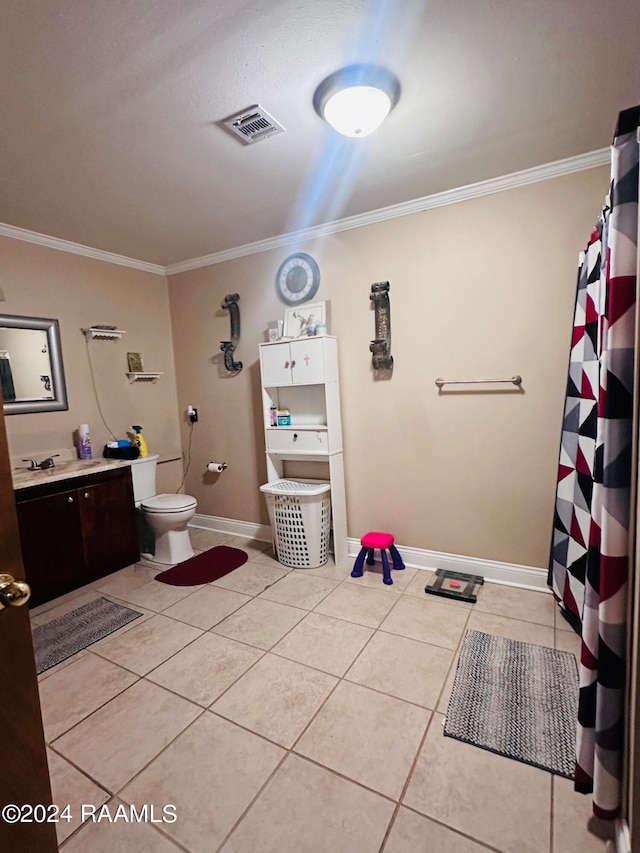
(294,712)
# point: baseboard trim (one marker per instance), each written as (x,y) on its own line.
(510,574)
(623,837)
(232,526)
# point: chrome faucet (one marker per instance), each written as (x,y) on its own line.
(42,466)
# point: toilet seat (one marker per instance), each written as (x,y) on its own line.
(168,503)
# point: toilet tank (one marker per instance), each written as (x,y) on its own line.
(143,474)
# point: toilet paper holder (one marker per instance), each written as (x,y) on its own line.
(216,467)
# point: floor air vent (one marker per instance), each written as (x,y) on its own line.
(252,124)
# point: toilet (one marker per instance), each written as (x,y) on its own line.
(166,515)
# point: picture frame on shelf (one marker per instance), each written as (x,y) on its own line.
(274,330)
(134,361)
(306,320)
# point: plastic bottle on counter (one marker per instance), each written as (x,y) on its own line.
(138,439)
(84,441)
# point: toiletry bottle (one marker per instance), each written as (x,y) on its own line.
(273,415)
(84,441)
(139,440)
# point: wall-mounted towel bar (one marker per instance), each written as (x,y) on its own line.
(515,380)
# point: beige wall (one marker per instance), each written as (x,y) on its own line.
(482,288)
(79,292)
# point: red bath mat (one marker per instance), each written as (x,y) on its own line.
(205,567)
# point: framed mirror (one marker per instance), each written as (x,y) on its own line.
(31,371)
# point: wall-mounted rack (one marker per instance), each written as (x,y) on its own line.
(230,303)
(144,377)
(381,347)
(514,380)
(103,332)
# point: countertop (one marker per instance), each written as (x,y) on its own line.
(23,478)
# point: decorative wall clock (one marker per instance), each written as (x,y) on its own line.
(297,279)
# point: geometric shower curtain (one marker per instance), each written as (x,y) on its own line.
(590,558)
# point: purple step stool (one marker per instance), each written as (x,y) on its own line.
(383,541)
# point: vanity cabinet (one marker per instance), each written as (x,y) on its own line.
(301,376)
(75,531)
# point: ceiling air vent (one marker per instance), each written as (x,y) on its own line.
(252,124)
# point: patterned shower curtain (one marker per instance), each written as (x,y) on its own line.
(590,558)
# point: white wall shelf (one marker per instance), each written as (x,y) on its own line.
(302,376)
(106,334)
(144,377)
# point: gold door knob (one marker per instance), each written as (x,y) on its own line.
(13,593)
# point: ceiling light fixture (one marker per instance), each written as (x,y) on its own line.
(357,99)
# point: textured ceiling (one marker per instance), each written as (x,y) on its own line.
(109,109)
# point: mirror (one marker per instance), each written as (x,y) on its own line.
(31,371)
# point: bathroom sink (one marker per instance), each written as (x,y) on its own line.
(71,466)
(76,465)
(66,469)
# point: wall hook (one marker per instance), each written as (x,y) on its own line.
(228,347)
(381,347)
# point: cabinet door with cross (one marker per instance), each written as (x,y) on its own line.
(307,361)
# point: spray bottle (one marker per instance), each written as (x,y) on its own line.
(138,439)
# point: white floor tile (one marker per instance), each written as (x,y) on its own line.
(319,690)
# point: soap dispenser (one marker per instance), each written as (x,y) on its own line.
(138,440)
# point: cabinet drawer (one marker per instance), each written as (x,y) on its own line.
(296,439)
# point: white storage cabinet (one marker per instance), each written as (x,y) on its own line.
(302,376)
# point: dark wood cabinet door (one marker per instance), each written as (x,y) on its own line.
(25,776)
(109,530)
(51,544)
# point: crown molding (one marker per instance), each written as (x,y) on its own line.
(78,249)
(557,169)
(580,163)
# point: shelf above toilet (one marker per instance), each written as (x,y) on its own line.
(106,333)
(144,377)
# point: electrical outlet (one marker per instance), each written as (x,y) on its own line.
(193,414)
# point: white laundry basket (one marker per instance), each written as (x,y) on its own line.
(300,516)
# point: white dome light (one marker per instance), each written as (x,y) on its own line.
(356,100)
(357,111)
